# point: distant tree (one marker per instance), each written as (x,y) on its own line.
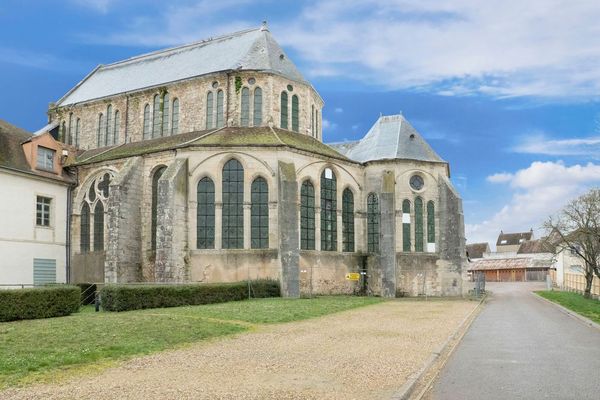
(577,228)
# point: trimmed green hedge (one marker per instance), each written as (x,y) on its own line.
(131,297)
(43,302)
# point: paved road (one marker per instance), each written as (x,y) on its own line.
(522,348)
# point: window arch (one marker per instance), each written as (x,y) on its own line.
(259,214)
(220,116)
(295,112)
(116,128)
(63,132)
(165,114)
(84,233)
(205,224)
(157,174)
(328,210)
(233,205)
(373,218)
(284,110)
(101,129)
(147,122)
(245,107)
(418,224)
(175,117)
(347,220)
(156,123)
(109,126)
(257,114)
(209,110)
(406,225)
(77,131)
(307,216)
(312,120)
(430,226)
(71,131)
(99,226)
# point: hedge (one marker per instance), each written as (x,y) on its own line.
(133,297)
(43,302)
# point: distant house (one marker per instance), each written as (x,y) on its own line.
(33,232)
(477,250)
(510,242)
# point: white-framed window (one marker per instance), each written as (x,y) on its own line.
(45,158)
(42,211)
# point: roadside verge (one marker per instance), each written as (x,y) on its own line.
(569,312)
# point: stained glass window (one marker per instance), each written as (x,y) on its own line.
(373,218)
(205,228)
(347,220)
(406,225)
(328,211)
(259,214)
(307,216)
(233,205)
(418,224)
(284,110)
(295,112)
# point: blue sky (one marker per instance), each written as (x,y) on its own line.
(506,91)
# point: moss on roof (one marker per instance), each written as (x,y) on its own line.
(11,152)
(234,137)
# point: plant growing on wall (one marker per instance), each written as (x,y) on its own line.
(238,84)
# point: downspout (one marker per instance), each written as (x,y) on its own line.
(68,227)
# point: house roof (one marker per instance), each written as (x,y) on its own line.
(536,247)
(476,250)
(11,152)
(248,50)
(511,239)
(508,263)
(391,137)
(224,137)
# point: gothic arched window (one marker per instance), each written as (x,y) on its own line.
(147,122)
(295,112)
(209,110)
(347,220)
(116,128)
(233,205)
(99,226)
(259,214)
(156,123)
(406,225)
(175,118)
(257,107)
(418,224)
(307,216)
(430,226)
(77,131)
(165,114)
(245,107)
(373,218)
(84,234)
(109,126)
(157,174)
(205,228)
(101,129)
(284,110)
(69,138)
(220,116)
(328,211)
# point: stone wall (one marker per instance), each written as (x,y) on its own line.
(324,273)
(233,265)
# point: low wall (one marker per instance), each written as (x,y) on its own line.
(426,275)
(233,265)
(88,267)
(325,273)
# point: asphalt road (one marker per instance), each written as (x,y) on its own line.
(519,347)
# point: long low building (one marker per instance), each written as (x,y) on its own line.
(520,269)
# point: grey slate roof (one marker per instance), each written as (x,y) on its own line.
(512,239)
(391,137)
(11,152)
(252,49)
(476,250)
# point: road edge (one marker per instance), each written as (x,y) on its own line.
(571,313)
(407,389)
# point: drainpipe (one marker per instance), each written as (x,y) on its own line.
(68,234)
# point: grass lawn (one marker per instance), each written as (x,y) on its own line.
(589,308)
(41,349)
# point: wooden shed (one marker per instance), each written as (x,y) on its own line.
(511,269)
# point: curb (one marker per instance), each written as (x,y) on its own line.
(570,313)
(406,390)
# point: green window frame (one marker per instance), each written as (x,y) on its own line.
(373,220)
(406,243)
(99,226)
(209,110)
(165,114)
(220,117)
(307,216)
(328,211)
(84,234)
(347,220)
(284,110)
(245,107)
(419,224)
(233,205)
(205,214)
(154,223)
(77,131)
(430,222)
(175,117)
(257,115)
(295,113)
(147,122)
(156,123)
(259,214)
(108,137)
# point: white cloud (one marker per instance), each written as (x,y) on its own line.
(537,192)
(339,110)
(328,125)
(541,144)
(101,6)
(37,60)
(500,177)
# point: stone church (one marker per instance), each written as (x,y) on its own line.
(206,163)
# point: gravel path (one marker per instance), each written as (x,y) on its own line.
(367,353)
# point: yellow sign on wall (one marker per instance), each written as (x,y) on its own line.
(353,276)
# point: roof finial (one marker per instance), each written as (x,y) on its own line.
(264,26)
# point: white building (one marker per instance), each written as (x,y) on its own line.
(33,229)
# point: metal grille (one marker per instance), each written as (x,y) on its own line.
(44,271)
(233,205)
(259,214)
(307,216)
(328,211)
(284,110)
(99,226)
(205,229)
(373,218)
(155,179)
(347,220)
(84,237)
(406,225)
(418,224)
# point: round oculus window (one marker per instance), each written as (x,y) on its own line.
(215,84)
(251,81)
(290,88)
(416,182)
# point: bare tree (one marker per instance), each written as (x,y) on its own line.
(577,228)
